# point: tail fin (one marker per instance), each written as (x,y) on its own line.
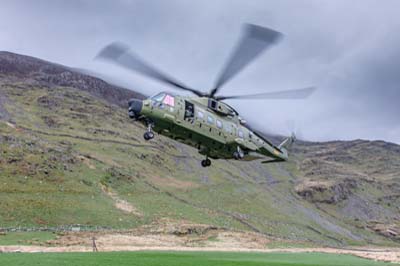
(282,150)
(287,143)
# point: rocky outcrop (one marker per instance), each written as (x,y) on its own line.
(388,230)
(325,191)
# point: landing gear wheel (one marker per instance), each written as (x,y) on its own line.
(148,135)
(206,162)
(239,154)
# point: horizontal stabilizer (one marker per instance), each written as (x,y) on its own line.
(273,161)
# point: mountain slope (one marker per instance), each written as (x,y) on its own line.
(34,71)
(70,155)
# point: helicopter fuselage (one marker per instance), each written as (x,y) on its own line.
(213,127)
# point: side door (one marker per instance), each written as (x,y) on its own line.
(200,120)
(180,110)
(221,129)
(188,115)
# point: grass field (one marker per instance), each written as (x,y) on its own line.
(184,258)
(25,238)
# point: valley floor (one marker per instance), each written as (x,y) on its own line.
(197,256)
(223,241)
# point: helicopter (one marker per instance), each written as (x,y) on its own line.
(205,121)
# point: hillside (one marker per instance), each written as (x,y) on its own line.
(69,154)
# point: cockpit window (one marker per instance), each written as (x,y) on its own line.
(159,97)
(169,100)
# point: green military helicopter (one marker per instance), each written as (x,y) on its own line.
(205,121)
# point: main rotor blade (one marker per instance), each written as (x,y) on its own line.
(255,39)
(279,95)
(119,54)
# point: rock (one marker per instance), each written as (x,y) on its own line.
(325,191)
(387,230)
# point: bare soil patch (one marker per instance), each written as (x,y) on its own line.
(119,203)
(86,161)
(173,182)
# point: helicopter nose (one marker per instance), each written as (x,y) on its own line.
(135,107)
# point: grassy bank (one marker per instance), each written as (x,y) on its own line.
(184,258)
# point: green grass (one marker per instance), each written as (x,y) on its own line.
(283,244)
(24,238)
(185,258)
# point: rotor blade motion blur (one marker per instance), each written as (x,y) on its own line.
(255,39)
(278,95)
(119,54)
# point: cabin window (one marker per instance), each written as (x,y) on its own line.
(219,123)
(159,97)
(240,133)
(200,115)
(210,119)
(169,100)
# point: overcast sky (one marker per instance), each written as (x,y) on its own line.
(349,50)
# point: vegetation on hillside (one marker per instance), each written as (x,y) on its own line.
(70,155)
